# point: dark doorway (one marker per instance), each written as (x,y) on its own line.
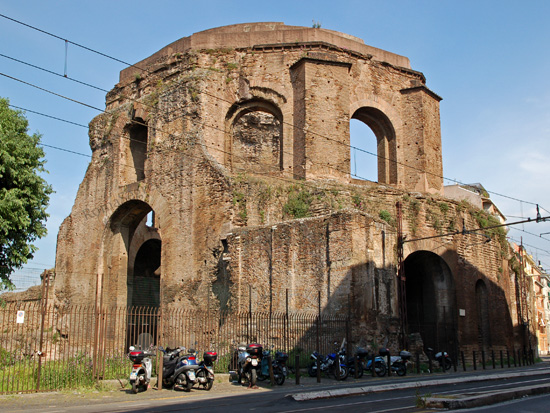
(431,300)
(146,279)
(144,294)
(483,324)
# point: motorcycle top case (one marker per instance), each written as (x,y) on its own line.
(281,357)
(384,351)
(362,353)
(405,355)
(137,356)
(210,357)
(254,349)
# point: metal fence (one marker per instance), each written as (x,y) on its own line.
(44,348)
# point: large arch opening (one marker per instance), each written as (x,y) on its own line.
(132,254)
(483,321)
(431,308)
(256,137)
(383,166)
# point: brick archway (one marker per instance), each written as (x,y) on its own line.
(431,300)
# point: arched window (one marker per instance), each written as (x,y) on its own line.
(256,137)
(134,151)
(368,158)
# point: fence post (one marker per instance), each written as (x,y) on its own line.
(474,357)
(318,370)
(463,361)
(160,336)
(417,363)
(270,365)
(45,288)
(297,368)
(501,359)
(493,358)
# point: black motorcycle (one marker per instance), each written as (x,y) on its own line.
(179,371)
(280,371)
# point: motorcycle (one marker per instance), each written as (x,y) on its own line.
(247,362)
(205,373)
(141,370)
(441,357)
(179,371)
(364,363)
(327,365)
(399,363)
(278,365)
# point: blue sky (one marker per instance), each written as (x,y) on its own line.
(488,60)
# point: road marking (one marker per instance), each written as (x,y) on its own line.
(355,404)
(481,389)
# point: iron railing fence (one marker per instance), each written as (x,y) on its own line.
(47,347)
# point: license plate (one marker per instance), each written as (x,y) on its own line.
(191,375)
(254,362)
(133,376)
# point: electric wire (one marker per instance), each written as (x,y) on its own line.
(287,123)
(208,94)
(144,124)
(229,102)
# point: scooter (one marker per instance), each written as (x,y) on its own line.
(247,361)
(441,357)
(179,371)
(205,373)
(278,365)
(399,363)
(141,370)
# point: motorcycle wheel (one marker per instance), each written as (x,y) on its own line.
(209,382)
(279,376)
(183,383)
(344,372)
(312,370)
(239,377)
(448,364)
(253,377)
(380,369)
(360,369)
(139,384)
(401,370)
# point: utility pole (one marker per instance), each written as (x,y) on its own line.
(401,279)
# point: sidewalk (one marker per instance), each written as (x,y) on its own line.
(308,389)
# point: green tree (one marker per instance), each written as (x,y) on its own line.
(24,194)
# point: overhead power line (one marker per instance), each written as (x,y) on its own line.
(219,98)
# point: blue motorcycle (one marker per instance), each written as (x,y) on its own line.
(328,365)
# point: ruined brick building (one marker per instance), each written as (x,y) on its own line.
(220,177)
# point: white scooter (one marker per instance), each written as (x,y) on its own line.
(141,370)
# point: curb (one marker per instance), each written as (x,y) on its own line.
(356,391)
(483,399)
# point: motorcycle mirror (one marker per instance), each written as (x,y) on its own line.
(132,348)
